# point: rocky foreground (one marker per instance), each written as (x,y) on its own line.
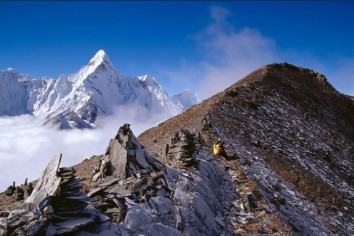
(290,136)
(135,194)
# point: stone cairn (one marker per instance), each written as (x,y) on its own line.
(206,122)
(56,206)
(19,192)
(69,200)
(65,205)
(182,149)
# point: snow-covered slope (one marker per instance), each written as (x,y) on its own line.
(13,93)
(97,89)
(185,99)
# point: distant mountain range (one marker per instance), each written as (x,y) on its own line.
(77,100)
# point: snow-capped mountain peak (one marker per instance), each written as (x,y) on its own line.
(100,57)
(100,54)
(150,82)
(146,78)
(76,100)
(185,99)
(100,63)
(11,73)
(9,69)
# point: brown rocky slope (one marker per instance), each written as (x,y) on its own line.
(294,134)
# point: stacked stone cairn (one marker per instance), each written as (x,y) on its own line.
(69,200)
(55,207)
(10,190)
(183,149)
(19,192)
(206,122)
(64,207)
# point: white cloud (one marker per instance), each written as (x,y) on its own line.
(228,55)
(26,146)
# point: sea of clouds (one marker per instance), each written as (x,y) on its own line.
(26,146)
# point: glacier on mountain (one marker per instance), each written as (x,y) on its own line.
(96,90)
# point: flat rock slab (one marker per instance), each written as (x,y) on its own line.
(220,222)
(118,158)
(96,177)
(113,210)
(121,192)
(80,196)
(71,184)
(94,191)
(108,183)
(71,225)
(47,184)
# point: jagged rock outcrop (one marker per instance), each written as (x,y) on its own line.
(128,157)
(161,200)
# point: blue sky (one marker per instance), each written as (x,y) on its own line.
(203,46)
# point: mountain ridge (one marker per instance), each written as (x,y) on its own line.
(97,89)
(293,133)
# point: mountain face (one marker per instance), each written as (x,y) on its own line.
(76,100)
(294,135)
(289,139)
(13,93)
(185,99)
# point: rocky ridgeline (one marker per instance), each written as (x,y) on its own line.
(294,134)
(192,195)
(131,193)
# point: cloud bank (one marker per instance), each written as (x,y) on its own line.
(228,55)
(26,146)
